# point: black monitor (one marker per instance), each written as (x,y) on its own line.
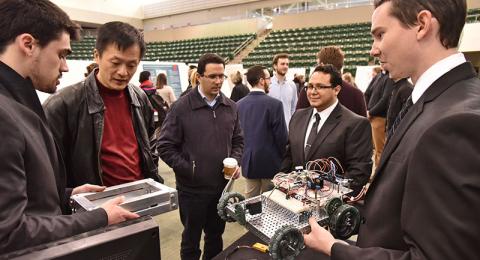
(129,240)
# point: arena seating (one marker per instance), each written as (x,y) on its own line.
(303,44)
(187,51)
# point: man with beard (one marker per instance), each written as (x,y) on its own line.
(265,133)
(281,88)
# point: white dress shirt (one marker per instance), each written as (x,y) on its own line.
(435,72)
(324,114)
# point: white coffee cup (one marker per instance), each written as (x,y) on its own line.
(229,167)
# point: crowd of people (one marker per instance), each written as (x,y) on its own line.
(421,142)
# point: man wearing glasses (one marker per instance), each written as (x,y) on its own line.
(328,129)
(200,131)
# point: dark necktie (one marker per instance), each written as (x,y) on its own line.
(312,135)
(399,117)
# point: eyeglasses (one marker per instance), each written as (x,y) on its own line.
(215,76)
(317,87)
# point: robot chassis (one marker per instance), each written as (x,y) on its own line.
(280,217)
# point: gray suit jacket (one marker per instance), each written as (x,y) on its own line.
(32,177)
(345,136)
(424,201)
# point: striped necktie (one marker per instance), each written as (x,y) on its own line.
(313,134)
(399,117)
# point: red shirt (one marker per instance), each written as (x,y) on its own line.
(119,155)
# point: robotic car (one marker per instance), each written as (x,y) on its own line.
(280,217)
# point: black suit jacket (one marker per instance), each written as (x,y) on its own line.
(425,199)
(32,176)
(345,136)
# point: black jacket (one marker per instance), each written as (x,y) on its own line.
(380,98)
(402,89)
(424,200)
(75,115)
(32,175)
(239,92)
(195,139)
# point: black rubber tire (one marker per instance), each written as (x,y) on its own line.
(345,222)
(227,199)
(332,205)
(286,243)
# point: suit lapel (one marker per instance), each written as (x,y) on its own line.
(462,72)
(328,126)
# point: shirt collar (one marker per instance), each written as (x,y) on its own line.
(257,90)
(210,103)
(324,114)
(277,80)
(435,72)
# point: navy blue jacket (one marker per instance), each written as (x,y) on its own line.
(265,134)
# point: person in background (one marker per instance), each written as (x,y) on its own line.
(164,90)
(145,83)
(281,88)
(376,71)
(299,81)
(265,133)
(402,89)
(239,90)
(424,200)
(103,124)
(349,96)
(90,68)
(347,77)
(34,201)
(200,131)
(377,112)
(191,70)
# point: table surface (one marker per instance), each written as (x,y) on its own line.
(250,254)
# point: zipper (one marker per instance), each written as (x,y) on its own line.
(214,116)
(193,169)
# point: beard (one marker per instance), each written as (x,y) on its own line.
(39,80)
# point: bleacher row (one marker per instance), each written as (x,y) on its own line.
(301,44)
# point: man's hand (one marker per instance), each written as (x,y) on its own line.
(319,238)
(115,213)
(87,188)
(237,173)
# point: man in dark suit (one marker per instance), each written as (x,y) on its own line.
(33,199)
(328,129)
(349,96)
(424,200)
(265,132)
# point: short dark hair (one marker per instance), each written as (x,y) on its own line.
(254,74)
(41,18)
(144,75)
(208,58)
(451,15)
(331,55)
(279,56)
(123,35)
(335,77)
